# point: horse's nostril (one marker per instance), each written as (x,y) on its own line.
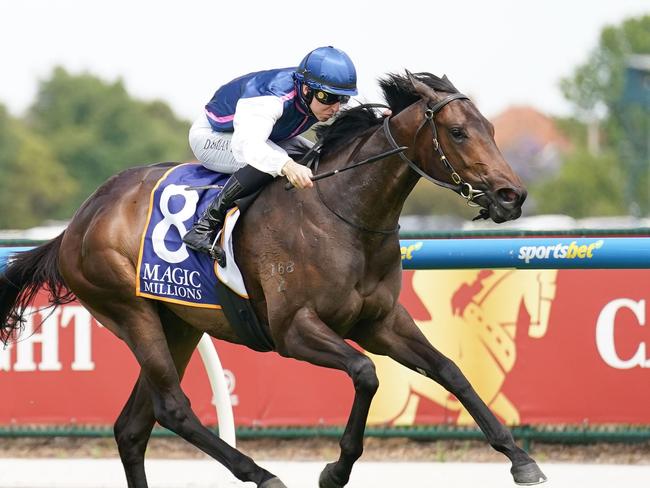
(508,195)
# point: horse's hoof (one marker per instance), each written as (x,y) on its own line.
(326,479)
(273,483)
(528,474)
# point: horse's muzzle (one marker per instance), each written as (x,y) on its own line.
(504,203)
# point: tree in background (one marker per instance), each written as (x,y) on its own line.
(35,185)
(96,129)
(587,185)
(596,89)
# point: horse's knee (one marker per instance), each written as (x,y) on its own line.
(121,430)
(129,440)
(172,416)
(172,411)
(364,375)
(131,443)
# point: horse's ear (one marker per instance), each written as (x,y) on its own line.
(423,90)
(445,79)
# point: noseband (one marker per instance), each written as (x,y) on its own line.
(459,185)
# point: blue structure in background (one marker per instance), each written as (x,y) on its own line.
(5,252)
(512,253)
(527,253)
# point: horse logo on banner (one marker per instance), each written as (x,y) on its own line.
(474,318)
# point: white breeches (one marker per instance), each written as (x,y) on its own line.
(212,148)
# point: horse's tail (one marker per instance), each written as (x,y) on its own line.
(25,274)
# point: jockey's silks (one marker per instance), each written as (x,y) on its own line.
(280,83)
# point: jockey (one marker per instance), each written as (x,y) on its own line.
(252,125)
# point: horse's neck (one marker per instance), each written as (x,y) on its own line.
(372,196)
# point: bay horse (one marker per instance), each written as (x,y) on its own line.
(338,244)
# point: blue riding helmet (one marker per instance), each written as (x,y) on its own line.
(330,70)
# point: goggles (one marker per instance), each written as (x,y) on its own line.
(330,98)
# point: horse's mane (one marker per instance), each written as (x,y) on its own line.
(398,94)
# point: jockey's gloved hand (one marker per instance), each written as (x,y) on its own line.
(297,174)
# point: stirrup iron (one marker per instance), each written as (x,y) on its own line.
(217,252)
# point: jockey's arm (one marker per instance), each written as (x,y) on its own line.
(253,122)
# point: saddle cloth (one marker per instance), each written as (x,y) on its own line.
(167,269)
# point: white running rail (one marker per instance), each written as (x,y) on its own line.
(220,391)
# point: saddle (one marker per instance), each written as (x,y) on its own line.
(169,271)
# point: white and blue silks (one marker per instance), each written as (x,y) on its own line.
(250,121)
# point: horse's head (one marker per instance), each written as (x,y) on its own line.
(454,144)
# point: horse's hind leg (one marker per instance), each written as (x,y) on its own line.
(132,430)
(399,338)
(133,426)
(142,330)
(309,339)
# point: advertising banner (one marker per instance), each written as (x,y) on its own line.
(539,346)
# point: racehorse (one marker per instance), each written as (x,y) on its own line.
(338,245)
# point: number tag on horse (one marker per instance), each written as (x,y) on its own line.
(167,269)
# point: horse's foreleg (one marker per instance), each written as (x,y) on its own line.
(309,339)
(133,426)
(399,338)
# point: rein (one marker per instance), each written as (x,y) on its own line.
(312,157)
(372,159)
(345,219)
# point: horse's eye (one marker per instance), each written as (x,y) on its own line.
(458,133)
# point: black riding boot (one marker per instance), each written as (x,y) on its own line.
(202,236)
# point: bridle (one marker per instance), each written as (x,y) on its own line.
(460,186)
